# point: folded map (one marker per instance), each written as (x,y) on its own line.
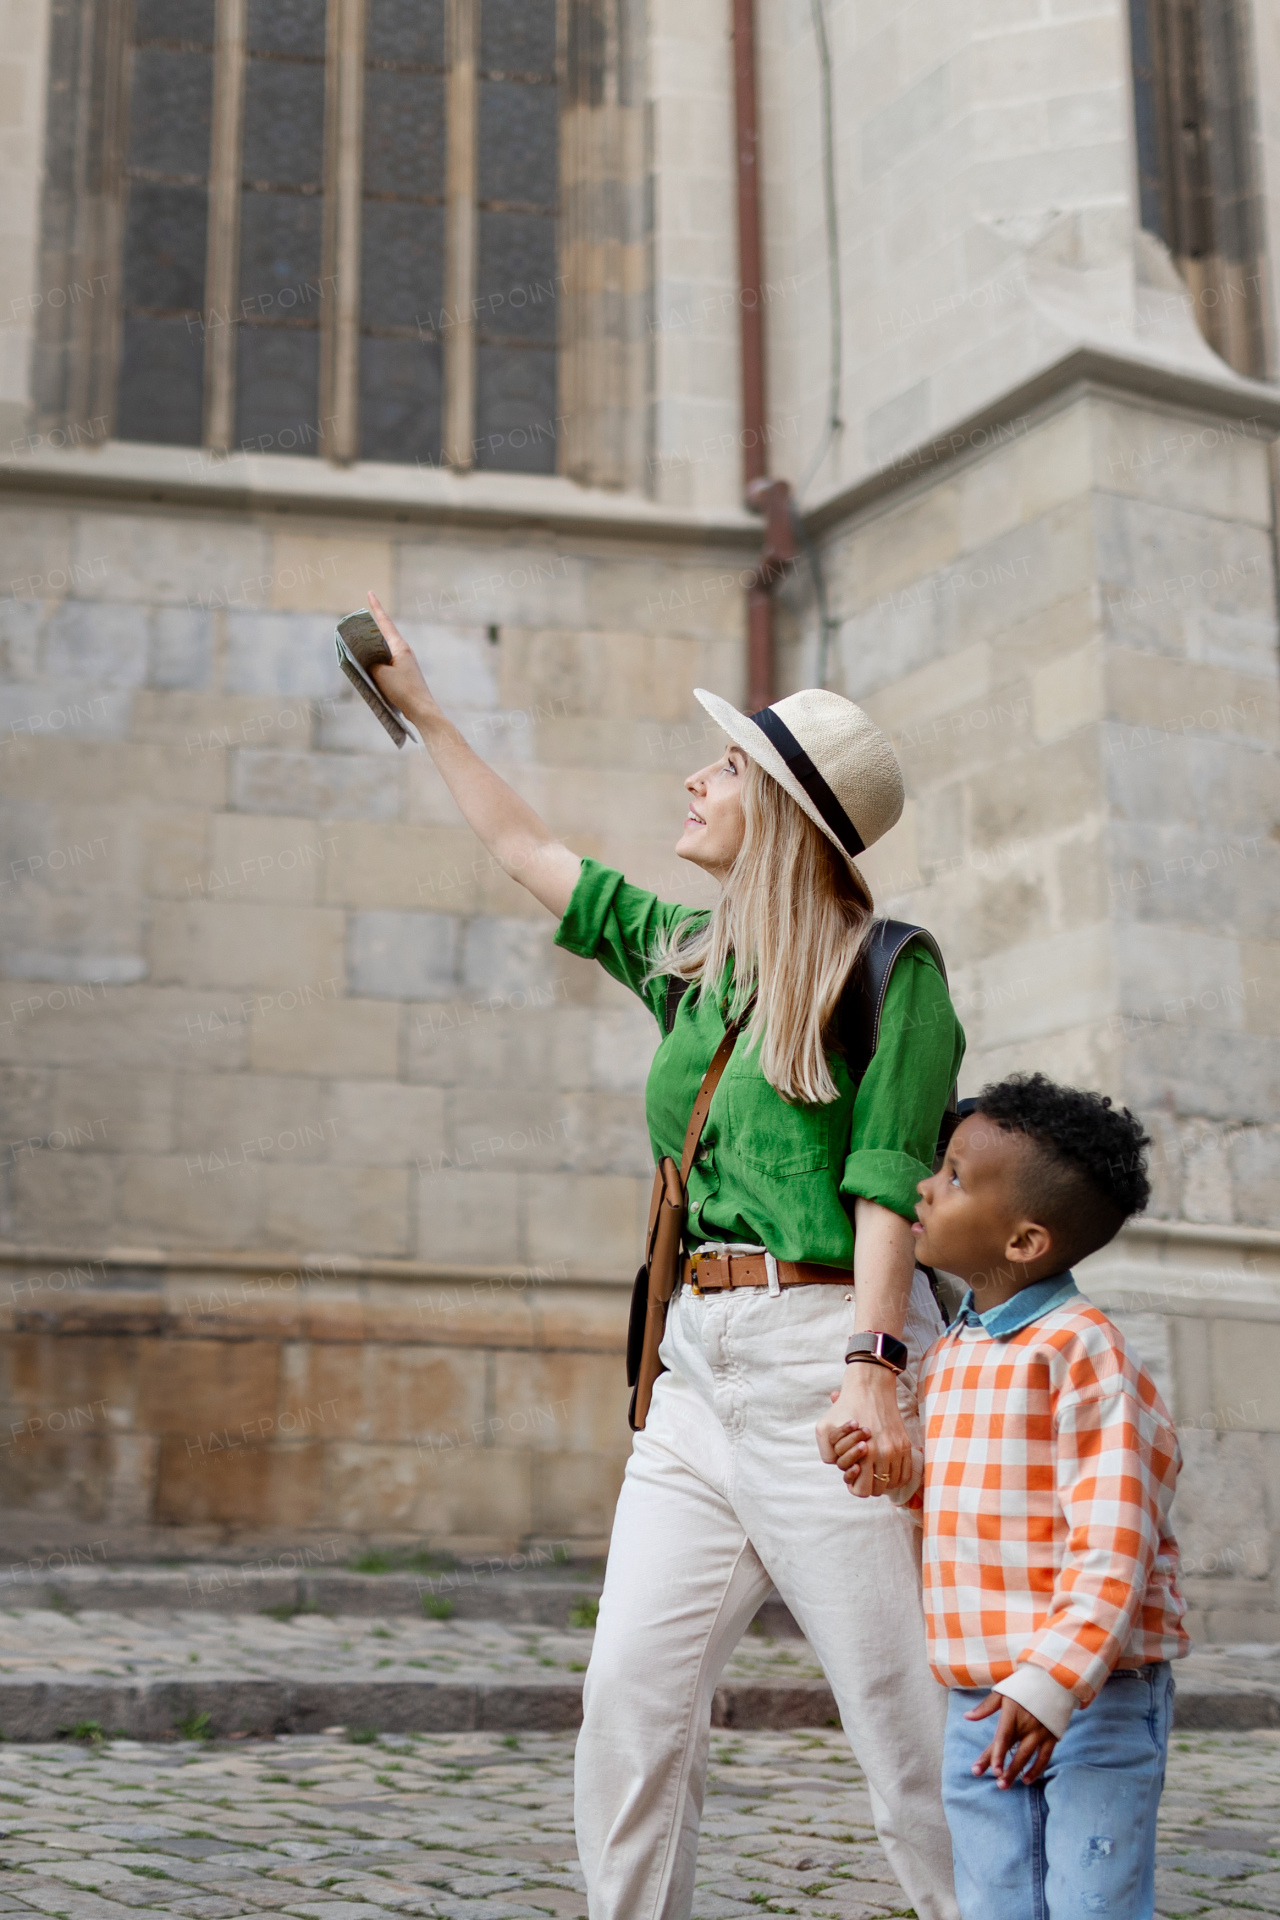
(360,646)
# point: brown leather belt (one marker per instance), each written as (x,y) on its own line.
(721,1272)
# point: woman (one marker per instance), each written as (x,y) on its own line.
(726,1494)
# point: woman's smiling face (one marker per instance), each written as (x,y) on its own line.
(714,822)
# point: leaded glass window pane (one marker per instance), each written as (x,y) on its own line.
(516,282)
(517,307)
(400,399)
(280,295)
(406,33)
(164,250)
(161,385)
(169,112)
(280,241)
(402,231)
(161,392)
(284,124)
(278,379)
(515,409)
(518,37)
(518,143)
(173,20)
(402,278)
(404,135)
(293,28)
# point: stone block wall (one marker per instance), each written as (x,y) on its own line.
(265,996)
(1070,636)
(986,204)
(1070,639)
(158,1405)
(1199,1303)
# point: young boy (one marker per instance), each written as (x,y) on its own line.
(1050,1573)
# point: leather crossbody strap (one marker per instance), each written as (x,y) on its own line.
(702,1105)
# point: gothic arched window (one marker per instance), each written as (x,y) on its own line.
(315,226)
(1193,121)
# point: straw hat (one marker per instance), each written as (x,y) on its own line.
(828,754)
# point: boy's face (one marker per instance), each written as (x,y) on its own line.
(970,1221)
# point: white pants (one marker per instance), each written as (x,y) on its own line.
(724,1496)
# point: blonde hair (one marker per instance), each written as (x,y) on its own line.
(792,916)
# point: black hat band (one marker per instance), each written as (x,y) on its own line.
(779,735)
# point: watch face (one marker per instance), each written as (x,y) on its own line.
(881,1346)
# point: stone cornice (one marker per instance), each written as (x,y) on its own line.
(322,1268)
(1198,1232)
(1180,1236)
(125,471)
(282,483)
(1084,369)
(1187,1267)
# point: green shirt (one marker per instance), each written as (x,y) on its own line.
(782,1174)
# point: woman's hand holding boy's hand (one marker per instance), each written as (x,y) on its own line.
(1020,1741)
(868,1400)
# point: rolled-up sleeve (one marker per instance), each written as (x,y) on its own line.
(903,1095)
(617,924)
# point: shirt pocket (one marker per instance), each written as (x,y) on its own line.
(770,1135)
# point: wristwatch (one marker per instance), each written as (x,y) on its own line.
(880,1347)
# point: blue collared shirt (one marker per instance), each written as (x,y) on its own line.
(1011,1316)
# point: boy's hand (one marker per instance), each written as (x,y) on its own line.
(849,1445)
(1020,1739)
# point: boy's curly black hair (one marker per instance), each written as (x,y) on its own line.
(1088,1173)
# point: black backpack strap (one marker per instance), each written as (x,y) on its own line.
(864,998)
(865,994)
(676,990)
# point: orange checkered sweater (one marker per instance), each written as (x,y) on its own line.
(1050,1469)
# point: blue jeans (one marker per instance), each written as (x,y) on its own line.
(1082,1840)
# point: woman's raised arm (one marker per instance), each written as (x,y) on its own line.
(518,840)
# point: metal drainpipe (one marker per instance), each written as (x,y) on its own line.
(762,495)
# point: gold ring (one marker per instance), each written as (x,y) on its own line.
(879,1476)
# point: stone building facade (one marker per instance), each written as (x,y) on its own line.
(326,1169)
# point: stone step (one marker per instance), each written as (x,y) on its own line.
(468,1592)
(475,1591)
(1206,1709)
(475,1647)
(48,1709)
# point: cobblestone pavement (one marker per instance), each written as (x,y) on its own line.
(193,1645)
(479,1827)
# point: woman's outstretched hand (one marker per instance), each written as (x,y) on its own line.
(402,683)
(518,842)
